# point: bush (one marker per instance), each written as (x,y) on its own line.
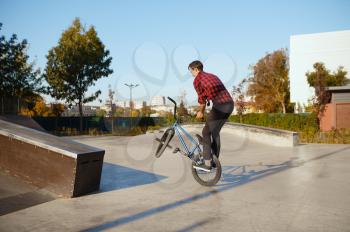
(288,121)
(153,128)
(305,124)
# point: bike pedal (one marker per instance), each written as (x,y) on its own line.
(176,150)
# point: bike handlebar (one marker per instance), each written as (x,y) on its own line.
(172,100)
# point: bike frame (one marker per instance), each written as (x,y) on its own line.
(189,151)
(178,128)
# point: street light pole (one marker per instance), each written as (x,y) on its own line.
(131,86)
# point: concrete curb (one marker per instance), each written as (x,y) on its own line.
(265,135)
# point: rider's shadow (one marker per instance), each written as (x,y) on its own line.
(232,175)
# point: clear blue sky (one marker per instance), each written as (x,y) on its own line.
(228,35)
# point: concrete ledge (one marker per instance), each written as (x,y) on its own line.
(60,165)
(265,135)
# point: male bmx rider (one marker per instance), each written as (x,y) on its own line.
(210,87)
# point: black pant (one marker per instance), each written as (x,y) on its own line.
(211,132)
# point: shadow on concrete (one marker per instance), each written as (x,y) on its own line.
(22,201)
(16,194)
(230,180)
(116,177)
(195,225)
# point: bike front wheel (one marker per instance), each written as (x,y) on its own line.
(208,178)
(164,141)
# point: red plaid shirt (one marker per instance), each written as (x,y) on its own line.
(210,87)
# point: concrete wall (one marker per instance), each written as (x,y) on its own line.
(265,135)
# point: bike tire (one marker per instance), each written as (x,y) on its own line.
(213,181)
(164,141)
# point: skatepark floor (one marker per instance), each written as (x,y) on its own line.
(263,188)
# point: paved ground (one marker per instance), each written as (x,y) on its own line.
(263,188)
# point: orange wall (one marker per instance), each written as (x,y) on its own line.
(336,115)
(327,119)
(343,115)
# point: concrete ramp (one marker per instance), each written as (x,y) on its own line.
(57,164)
(23,121)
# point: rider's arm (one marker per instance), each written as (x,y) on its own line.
(202,108)
(201,95)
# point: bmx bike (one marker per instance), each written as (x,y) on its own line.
(193,152)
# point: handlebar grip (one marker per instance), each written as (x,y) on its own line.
(172,100)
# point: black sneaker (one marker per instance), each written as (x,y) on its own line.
(202,167)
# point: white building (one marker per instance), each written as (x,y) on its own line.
(87,110)
(164,108)
(158,101)
(122,104)
(139,104)
(330,48)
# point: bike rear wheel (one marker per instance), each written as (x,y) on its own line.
(164,141)
(208,178)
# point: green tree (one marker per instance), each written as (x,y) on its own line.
(18,78)
(239,94)
(39,109)
(269,82)
(57,109)
(75,64)
(321,78)
(337,78)
(135,113)
(182,111)
(101,113)
(119,112)
(145,110)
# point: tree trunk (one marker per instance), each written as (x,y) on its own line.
(17,105)
(2,105)
(81,116)
(283,107)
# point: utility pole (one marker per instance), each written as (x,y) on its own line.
(131,86)
(110,95)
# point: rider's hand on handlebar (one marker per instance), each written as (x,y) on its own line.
(200,115)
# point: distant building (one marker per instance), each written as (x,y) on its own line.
(109,107)
(159,105)
(249,108)
(158,101)
(163,108)
(330,48)
(139,104)
(122,104)
(192,110)
(74,111)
